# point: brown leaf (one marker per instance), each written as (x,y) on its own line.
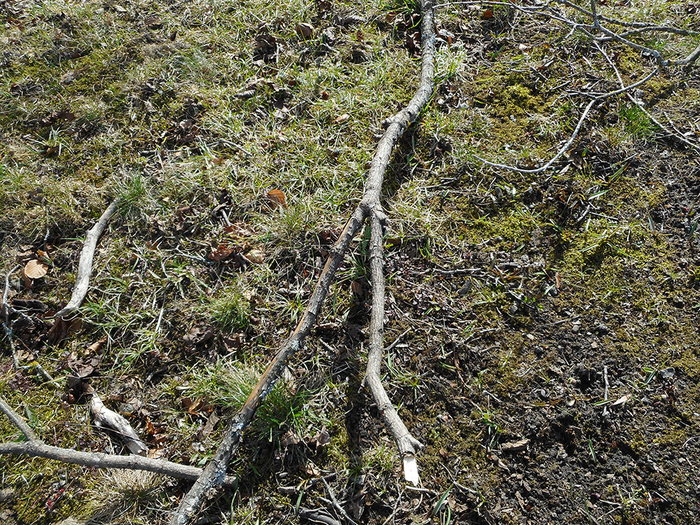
(35,269)
(62,329)
(277,198)
(342,118)
(305,30)
(199,335)
(255,255)
(238,230)
(487,14)
(310,469)
(289,439)
(197,406)
(223,251)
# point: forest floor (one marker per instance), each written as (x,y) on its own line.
(546,323)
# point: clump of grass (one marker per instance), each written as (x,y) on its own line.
(133,194)
(636,122)
(120,494)
(232,310)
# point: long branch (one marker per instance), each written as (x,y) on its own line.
(36,448)
(395,127)
(82,280)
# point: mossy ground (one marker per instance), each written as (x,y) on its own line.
(524,294)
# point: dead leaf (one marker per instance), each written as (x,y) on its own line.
(342,118)
(35,269)
(487,14)
(255,255)
(199,335)
(310,469)
(156,453)
(290,439)
(277,198)
(223,251)
(305,30)
(62,329)
(197,406)
(515,446)
(622,400)
(153,22)
(97,345)
(238,230)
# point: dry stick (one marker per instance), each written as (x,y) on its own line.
(405,442)
(36,448)
(6,326)
(690,59)
(82,281)
(17,421)
(634,100)
(576,129)
(396,125)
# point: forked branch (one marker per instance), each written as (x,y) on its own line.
(395,127)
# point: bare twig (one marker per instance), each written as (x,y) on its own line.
(39,449)
(6,294)
(17,421)
(639,104)
(395,127)
(36,448)
(336,504)
(581,119)
(405,442)
(106,418)
(607,387)
(82,280)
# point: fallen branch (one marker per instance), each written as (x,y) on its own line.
(395,127)
(17,421)
(36,448)
(405,442)
(82,280)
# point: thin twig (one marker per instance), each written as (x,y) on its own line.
(581,119)
(607,386)
(36,448)
(336,503)
(17,421)
(5,295)
(82,280)
(639,104)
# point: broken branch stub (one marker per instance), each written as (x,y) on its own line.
(395,127)
(82,280)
